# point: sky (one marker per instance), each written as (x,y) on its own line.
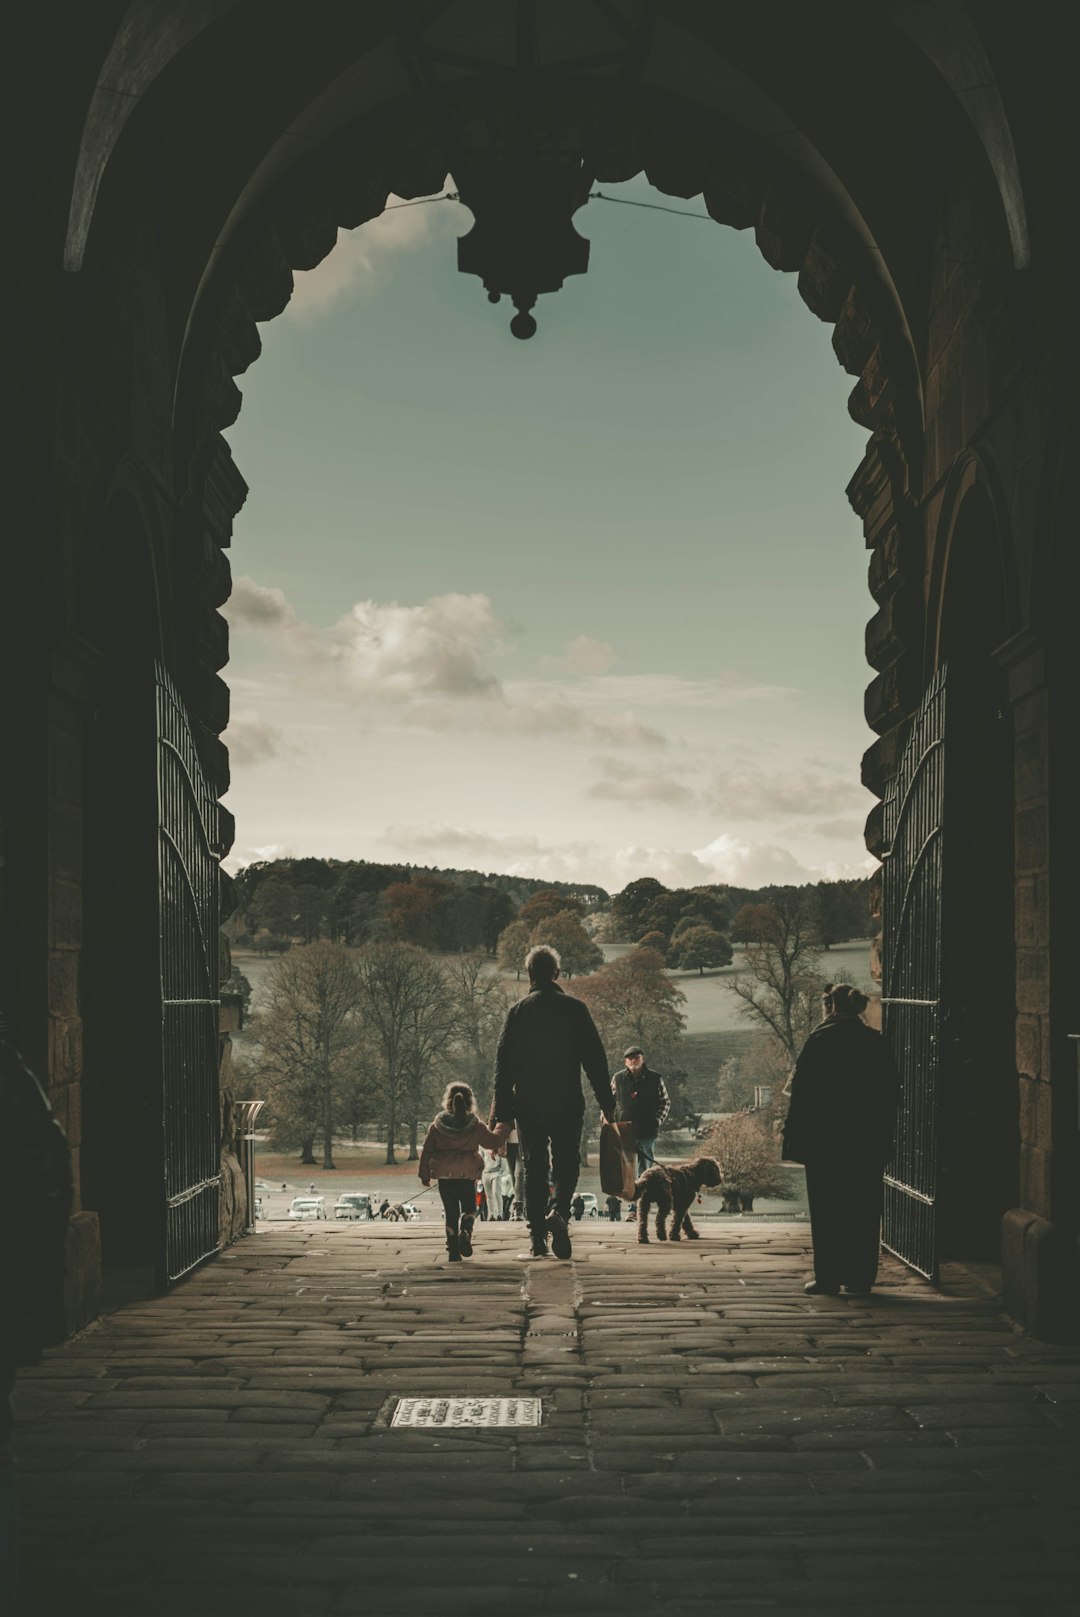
(588,607)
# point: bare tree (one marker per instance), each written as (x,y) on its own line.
(308,1035)
(781,985)
(403,1001)
(429,1025)
(480,998)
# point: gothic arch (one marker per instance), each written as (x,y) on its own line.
(683,156)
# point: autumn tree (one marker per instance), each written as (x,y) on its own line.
(749,1156)
(634,1001)
(513,947)
(780,987)
(564,933)
(308,1036)
(410,909)
(541,906)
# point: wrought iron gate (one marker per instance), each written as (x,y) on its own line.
(911,980)
(188,908)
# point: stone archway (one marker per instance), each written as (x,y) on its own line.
(684,155)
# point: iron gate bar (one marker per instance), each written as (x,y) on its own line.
(188,908)
(911,979)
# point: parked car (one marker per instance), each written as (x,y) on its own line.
(410,1210)
(308,1207)
(592,1207)
(258,1207)
(354,1204)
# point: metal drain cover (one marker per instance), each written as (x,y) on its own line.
(451,1412)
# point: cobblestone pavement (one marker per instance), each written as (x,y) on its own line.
(712,1440)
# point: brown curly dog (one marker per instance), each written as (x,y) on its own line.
(672,1190)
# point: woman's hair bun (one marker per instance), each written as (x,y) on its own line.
(845,1000)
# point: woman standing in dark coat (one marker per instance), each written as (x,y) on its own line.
(844,1093)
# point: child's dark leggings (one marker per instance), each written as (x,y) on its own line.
(458,1197)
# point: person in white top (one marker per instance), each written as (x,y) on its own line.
(492,1179)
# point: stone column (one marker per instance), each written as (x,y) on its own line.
(1039,1255)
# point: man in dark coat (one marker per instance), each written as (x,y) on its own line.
(546,1040)
(642,1100)
(840,1123)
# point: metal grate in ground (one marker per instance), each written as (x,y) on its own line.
(457,1412)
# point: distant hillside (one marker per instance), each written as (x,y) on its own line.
(366,876)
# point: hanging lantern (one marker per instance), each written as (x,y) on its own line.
(521,136)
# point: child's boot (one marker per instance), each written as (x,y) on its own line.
(465,1238)
(453,1245)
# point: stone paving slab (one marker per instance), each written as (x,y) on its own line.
(713,1439)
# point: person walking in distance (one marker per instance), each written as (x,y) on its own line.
(451,1154)
(492,1177)
(547,1038)
(642,1100)
(840,1122)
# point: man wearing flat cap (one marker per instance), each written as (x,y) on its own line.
(641,1100)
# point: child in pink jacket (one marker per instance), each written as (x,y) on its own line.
(451,1154)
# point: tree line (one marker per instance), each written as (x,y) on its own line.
(279,902)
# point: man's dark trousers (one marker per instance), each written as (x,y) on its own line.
(560,1166)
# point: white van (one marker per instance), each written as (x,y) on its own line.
(308,1207)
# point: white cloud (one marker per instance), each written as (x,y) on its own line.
(239,857)
(265,610)
(726,859)
(427,665)
(524,855)
(748,793)
(395,653)
(751,864)
(416,651)
(584,655)
(628,782)
(251,740)
(362,258)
